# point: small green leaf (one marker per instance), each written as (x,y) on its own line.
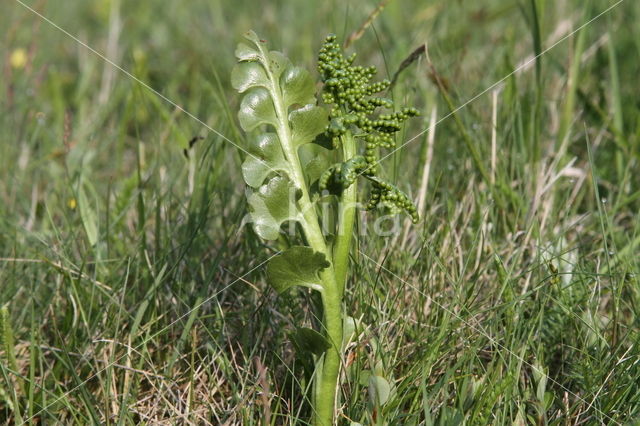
(308,340)
(277,64)
(256,108)
(351,329)
(379,389)
(296,266)
(267,158)
(253,37)
(297,87)
(246,75)
(246,53)
(307,122)
(314,168)
(378,368)
(314,160)
(271,205)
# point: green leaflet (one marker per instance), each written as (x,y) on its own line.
(246,53)
(280,97)
(249,74)
(379,389)
(296,266)
(314,162)
(306,123)
(271,205)
(298,86)
(268,158)
(308,340)
(257,109)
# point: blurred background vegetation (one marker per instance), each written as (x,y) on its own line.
(131,292)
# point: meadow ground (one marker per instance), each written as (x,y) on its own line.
(132,293)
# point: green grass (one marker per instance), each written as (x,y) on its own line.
(132,293)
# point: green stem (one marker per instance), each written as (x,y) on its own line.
(326,393)
(332,298)
(346,219)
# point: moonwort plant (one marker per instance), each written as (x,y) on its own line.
(293,137)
